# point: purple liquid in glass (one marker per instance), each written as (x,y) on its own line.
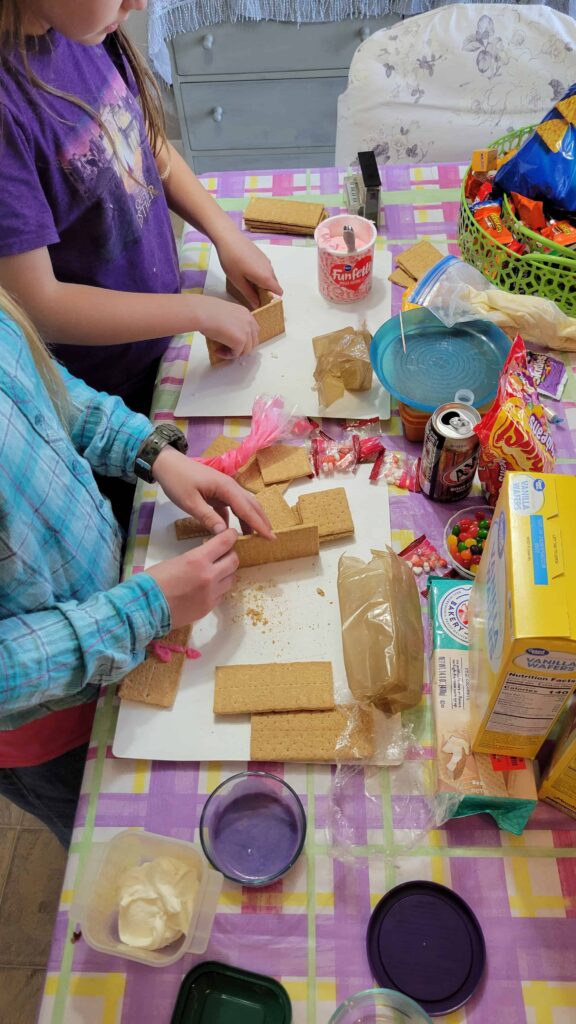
(254,834)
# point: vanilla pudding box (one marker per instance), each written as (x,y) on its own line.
(558,786)
(501,786)
(523,615)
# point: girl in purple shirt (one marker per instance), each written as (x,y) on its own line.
(87,178)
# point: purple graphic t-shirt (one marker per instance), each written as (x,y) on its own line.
(103,219)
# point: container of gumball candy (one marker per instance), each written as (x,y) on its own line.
(465,538)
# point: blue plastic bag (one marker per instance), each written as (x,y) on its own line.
(537,172)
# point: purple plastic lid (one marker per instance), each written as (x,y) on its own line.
(424,940)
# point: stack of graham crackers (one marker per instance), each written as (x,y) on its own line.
(283,216)
(293,713)
(413,263)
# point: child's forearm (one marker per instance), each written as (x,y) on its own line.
(73,314)
(189,199)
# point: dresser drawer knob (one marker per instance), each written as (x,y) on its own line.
(217,114)
(208,41)
(364,33)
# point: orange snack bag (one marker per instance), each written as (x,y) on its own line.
(489,217)
(530,211)
(514,433)
(560,231)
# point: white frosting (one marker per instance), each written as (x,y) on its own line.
(156,901)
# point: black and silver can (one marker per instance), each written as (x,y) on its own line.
(450,452)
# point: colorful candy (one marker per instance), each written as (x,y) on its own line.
(467,538)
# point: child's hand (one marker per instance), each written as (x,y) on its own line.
(206,494)
(230,324)
(195,582)
(246,265)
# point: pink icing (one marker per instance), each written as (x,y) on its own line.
(164,650)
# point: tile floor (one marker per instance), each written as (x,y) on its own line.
(32,866)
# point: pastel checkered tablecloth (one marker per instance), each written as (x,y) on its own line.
(309,929)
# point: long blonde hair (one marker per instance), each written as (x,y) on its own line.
(13,39)
(45,364)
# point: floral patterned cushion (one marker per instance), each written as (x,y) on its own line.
(438,85)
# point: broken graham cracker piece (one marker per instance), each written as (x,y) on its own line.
(288,686)
(281,462)
(189,527)
(156,682)
(344,734)
(262,212)
(219,445)
(295,542)
(250,477)
(329,510)
(418,259)
(277,508)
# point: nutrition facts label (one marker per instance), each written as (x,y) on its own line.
(528,705)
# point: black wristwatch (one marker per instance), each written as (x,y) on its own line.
(164,433)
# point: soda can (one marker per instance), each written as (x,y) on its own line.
(450,452)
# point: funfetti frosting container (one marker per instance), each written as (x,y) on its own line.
(345,276)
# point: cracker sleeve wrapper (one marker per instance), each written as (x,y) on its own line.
(382,631)
(342,363)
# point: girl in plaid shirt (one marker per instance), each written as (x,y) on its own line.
(67,625)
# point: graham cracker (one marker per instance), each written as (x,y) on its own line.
(400,277)
(277,229)
(288,213)
(269,316)
(281,462)
(190,527)
(418,259)
(329,510)
(344,734)
(219,446)
(290,686)
(277,508)
(295,542)
(156,682)
(250,476)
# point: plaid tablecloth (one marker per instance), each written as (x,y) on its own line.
(309,929)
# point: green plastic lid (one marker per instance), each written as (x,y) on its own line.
(214,993)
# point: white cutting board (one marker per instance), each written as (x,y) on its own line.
(285,365)
(302,625)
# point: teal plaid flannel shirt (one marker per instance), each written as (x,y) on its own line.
(66,623)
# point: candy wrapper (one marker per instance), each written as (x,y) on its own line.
(549,374)
(271,422)
(364,428)
(331,457)
(514,433)
(396,468)
(545,166)
(424,559)
(342,363)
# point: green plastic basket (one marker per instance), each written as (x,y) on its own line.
(551,274)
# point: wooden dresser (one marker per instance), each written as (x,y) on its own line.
(263,94)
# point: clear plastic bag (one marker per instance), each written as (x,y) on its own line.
(271,422)
(456,292)
(416,805)
(382,633)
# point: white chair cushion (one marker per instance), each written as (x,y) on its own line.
(438,85)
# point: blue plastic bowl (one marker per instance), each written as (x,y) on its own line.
(439,360)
